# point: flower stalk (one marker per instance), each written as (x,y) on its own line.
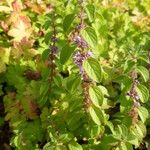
(135,97)
(53,51)
(81,55)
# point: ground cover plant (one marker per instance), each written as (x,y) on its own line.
(74,74)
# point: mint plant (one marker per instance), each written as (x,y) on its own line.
(74,75)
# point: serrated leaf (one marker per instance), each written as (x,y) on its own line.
(143,93)
(73,83)
(96,96)
(47,38)
(90,36)
(74,146)
(141,129)
(132,139)
(103,90)
(144,72)
(125,146)
(90,10)
(65,53)
(96,115)
(44,88)
(122,131)
(107,142)
(143,113)
(67,21)
(93,69)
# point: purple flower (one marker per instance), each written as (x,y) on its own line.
(54,49)
(79,57)
(136,82)
(53,39)
(80,42)
(136,97)
(137,104)
(79,27)
(89,54)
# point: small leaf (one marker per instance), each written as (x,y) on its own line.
(96,115)
(122,131)
(74,146)
(44,88)
(125,146)
(141,129)
(90,36)
(65,53)
(103,90)
(90,10)
(96,96)
(143,113)
(143,93)
(93,69)
(144,72)
(67,21)
(2,67)
(132,139)
(47,38)
(73,83)
(107,142)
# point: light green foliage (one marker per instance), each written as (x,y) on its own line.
(49,113)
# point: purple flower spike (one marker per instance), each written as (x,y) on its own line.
(53,39)
(79,57)
(89,54)
(54,49)
(80,42)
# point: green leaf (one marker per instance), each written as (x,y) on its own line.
(45,54)
(65,53)
(125,146)
(65,138)
(96,130)
(141,129)
(103,90)
(47,37)
(2,67)
(90,10)
(144,72)
(96,115)
(93,69)
(132,139)
(96,96)
(73,83)
(111,127)
(107,142)
(74,146)
(121,131)
(143,113)
(143,93)
(90,36)
(44,88)
(67,21)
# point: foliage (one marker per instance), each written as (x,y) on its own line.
(75,75)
